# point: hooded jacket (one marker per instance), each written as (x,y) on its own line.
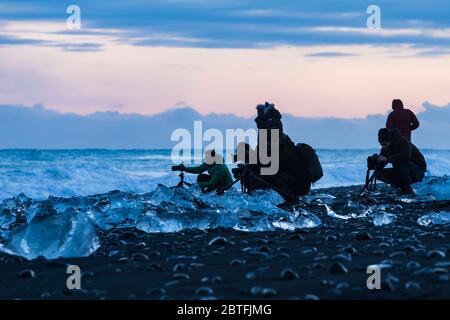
(401,150)
(403,119)
(219,172)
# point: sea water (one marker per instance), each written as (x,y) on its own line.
(52,203)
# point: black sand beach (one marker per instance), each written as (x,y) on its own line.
(327,262)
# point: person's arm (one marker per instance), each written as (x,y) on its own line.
(390,123)
(403,155)
(215,179)
(414,121)
(198,169)
(382,163)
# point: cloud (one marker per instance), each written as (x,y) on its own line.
(250,24)
(6,40)
(38,127)
(330,54)
(433,52)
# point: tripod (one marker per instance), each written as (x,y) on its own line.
(248,173)
(244,173)
(182,183)
(371,182)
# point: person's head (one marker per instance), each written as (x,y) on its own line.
(397,104)
(268,117)
(212,157)
(385,137)
(245,153)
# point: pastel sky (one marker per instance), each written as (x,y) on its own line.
(311,58)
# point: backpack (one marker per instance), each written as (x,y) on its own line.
(310,161)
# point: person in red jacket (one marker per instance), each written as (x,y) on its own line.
(402,119)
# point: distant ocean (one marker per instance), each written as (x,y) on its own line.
(67,173)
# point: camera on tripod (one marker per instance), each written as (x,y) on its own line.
(239,171)
(179,167)
(372,162)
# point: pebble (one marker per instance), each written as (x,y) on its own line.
(363,236)
(250,275)
(342,257)
(216,279)
(181,276)
(378,252)
(338,268)
(179,267)
(412,285)
(436,254)
(384,245)
(171,283)
(123,260)
(397,254)
(412,265)
(342,285)
(350,250)
(196,265)
(289,274)
(317,265)
(204,291)
(327,283)
(45,294)
(296,237)
(140,257)
(263,292)
(217,241)
(409,248)
(155,266)
(158,291)
(27,274)
(237,262)
(442,264)
(331,237)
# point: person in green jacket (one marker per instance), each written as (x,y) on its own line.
(218,176)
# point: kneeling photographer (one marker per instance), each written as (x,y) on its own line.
(408,163)
(248,169)
(293,178)
(218,176)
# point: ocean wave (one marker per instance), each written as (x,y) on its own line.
(69,173)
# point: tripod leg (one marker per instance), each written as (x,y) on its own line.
(222,191)
(366,185)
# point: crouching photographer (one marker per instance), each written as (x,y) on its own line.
(408,163)
(298,165)
(218,176)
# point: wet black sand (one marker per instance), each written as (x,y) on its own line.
(328,262)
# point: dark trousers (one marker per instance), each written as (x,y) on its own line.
(203,177)
(288,186)
(401,175)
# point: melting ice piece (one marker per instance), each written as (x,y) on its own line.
(431,218)
(70,234)
(438,187)
(333,214)
(6,219)
(301,222)
(383,218)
